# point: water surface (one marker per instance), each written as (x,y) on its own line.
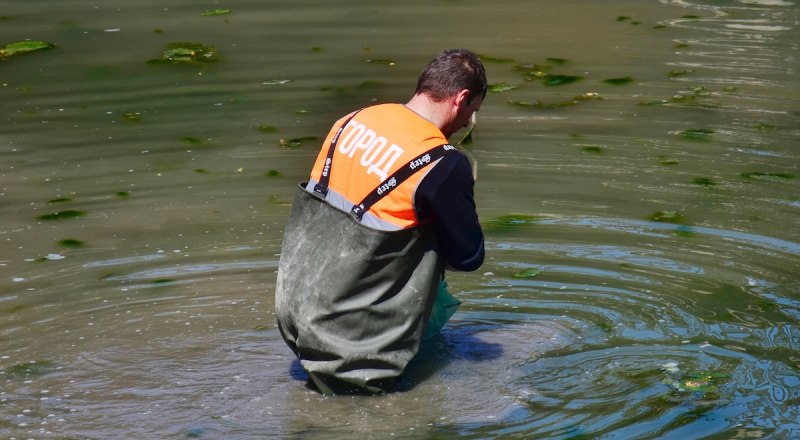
(651,221)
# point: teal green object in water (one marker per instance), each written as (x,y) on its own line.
(444,306)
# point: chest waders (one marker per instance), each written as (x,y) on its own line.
(351,301)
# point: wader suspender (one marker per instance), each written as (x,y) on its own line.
(385,187)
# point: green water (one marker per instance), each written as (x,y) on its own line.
(637,177)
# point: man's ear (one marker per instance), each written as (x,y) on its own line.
(462,98)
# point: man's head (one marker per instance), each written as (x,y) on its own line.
(450,72)
(454,84)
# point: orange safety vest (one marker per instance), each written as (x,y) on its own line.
(372,146)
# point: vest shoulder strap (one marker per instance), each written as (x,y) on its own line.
(400,176)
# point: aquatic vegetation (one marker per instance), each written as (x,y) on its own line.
(200,171)
(524,103)
(191,140)
(71,243)
(667,217)
(388,61)
(527,273)
(623,18)
(213,12)
(61,215)
(592,149)
(267,128)
(59,200)
(162,281)
(698,381)
(501,87)
(187,53)
(296,142)
(704,181)
(273,173)
(679,72)
(510,221)
(122,194)
(32,368)
(132,116)
(21,47)
(762,126)
(559,80)
(767,176)
(697,134)
(557,60)
(619,81)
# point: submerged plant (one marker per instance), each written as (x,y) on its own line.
(296,142)
(558,80)
(61,215)
(527,273)
(619,81)
(697,134)
(667,217)
(501,87)
(187,53)
(212,12)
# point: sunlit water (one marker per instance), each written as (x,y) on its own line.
(652,225)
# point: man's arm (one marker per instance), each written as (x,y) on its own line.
(446,194)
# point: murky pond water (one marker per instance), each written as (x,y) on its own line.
(637,177)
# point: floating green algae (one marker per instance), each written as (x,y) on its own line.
(698,381)
(59,200)
(61,215)
(295,142)
(767,176)
(21,47)
(501,87)
(213,12)
(267,128)
(557,60)
(32,368)
(201,171)
(273,173)
(132,116)
(560,80)
(387,61)
(704,181)
(527,273)
(619,81)
(71,243)
(679,72)
(592,149)
(524,103)
(667,217)
(122,194)
(510,221)
(697,134)
(191,140)
(184,52)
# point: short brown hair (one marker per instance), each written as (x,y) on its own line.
(450,72)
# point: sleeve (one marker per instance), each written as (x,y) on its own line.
(446,195)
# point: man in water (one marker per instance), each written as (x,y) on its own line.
(388,205)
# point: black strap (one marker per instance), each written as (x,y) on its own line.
(399,177)
(321,188)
